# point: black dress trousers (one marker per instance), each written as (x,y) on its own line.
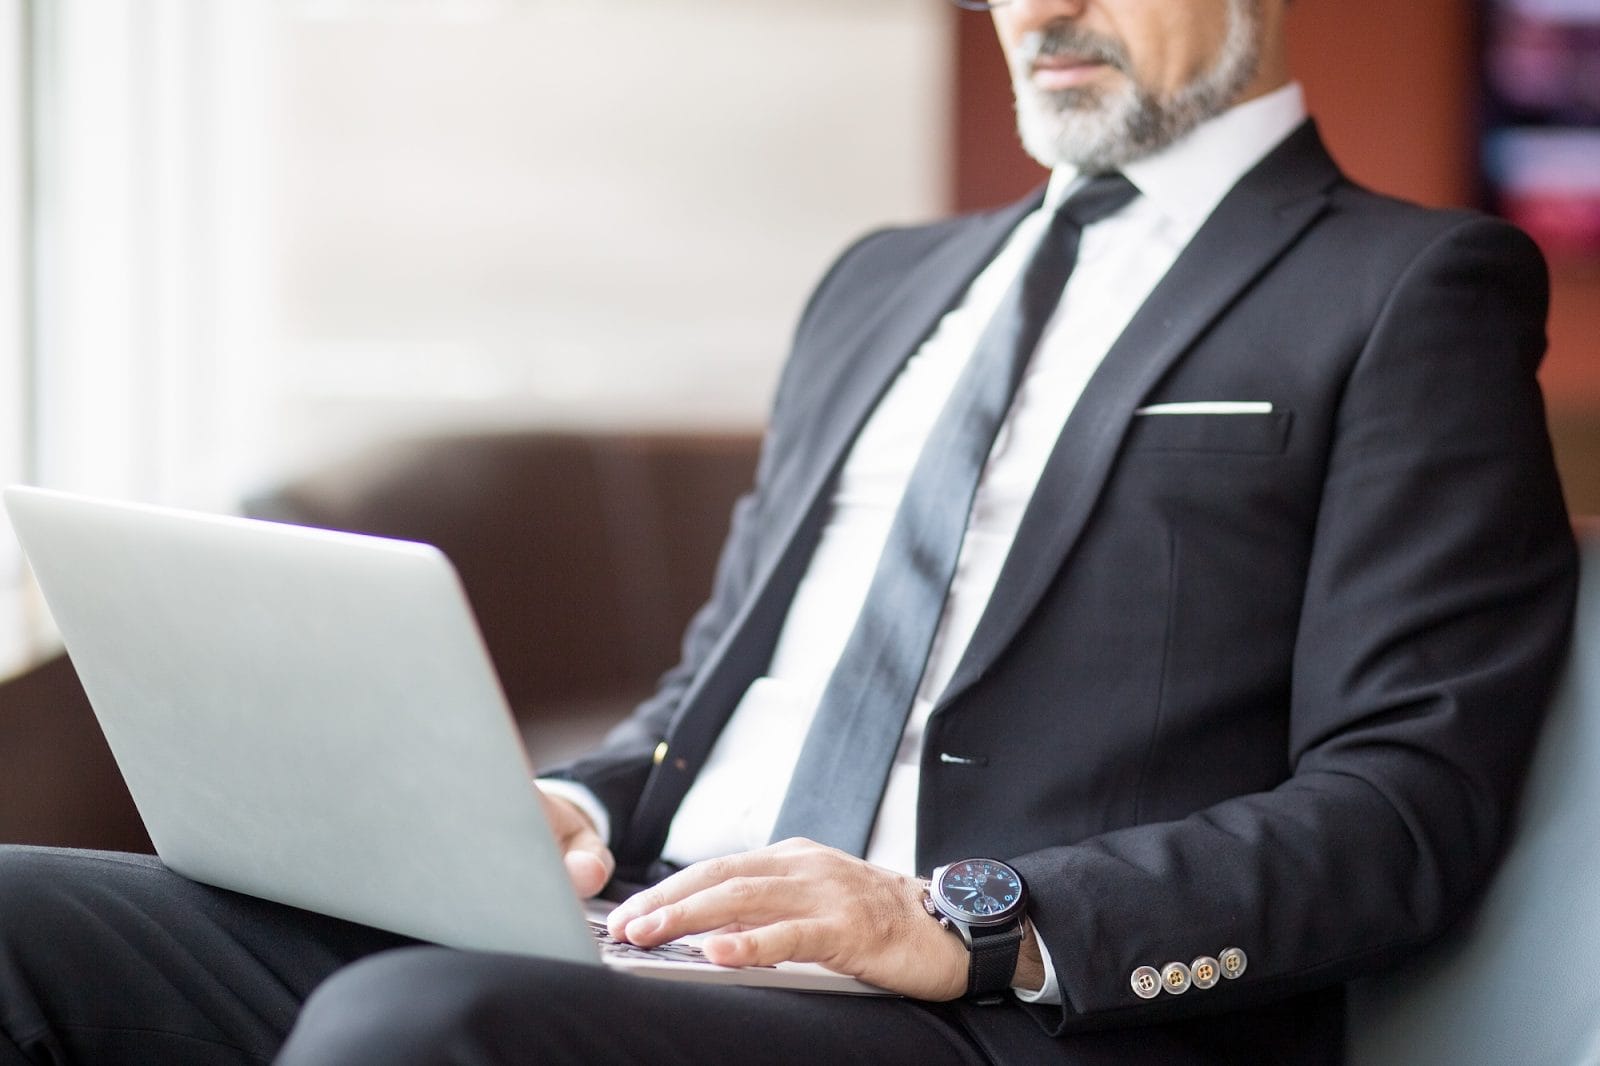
(113,959)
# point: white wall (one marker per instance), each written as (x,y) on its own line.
(574,212)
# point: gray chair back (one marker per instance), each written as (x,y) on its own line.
(1520,983)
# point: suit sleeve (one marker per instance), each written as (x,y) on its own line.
(1436,612)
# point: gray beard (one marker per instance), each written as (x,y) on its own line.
(1098,130)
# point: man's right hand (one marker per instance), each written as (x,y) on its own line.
(589,861)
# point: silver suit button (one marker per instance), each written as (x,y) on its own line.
(1233,962)
(1175,978)
(1206,971)
(1146,982)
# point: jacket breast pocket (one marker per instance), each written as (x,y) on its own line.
(1266,433)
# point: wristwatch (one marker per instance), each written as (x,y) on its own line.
(983,900)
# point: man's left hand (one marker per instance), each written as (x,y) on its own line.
(798,901)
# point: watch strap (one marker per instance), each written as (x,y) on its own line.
(993,961)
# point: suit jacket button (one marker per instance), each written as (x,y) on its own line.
(1233,962)
(1175,978)
(1146,982)
(1206,971)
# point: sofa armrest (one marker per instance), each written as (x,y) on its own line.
(583,554)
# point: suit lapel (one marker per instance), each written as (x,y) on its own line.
(870,357)
(881,346)
(1264,214)
(878,350)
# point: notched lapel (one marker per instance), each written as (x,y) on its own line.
(869,358)
(1254,224)
(867,361)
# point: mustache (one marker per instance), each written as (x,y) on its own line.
(1069,39)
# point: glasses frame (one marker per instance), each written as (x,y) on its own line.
(979,5)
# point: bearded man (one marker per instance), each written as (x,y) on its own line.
(1171,565)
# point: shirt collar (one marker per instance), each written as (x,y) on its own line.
(1188,178)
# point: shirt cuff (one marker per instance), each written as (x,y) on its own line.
(1050,994)
(580,797)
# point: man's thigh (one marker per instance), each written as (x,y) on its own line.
(436,1006)
(113,958)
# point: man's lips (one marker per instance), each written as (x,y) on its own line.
(1065,72)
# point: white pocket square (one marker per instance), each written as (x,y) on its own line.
(1208,407)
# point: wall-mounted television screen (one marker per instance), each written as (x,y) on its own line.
(1541,106)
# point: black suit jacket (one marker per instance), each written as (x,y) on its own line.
(1264,681)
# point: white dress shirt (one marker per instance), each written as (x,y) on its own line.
(734,800)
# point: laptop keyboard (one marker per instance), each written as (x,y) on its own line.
(671,951)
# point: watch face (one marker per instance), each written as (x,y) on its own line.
(980,891)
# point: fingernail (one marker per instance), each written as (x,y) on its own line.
(647,926)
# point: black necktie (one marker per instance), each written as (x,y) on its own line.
(848,752)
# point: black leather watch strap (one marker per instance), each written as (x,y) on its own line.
(993,961)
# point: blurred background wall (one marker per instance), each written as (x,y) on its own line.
(244,238)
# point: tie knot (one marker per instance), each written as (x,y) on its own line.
(1101,195)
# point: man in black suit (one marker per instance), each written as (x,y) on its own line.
(1256,603)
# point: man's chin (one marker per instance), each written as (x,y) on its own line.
(1088,142)
(1086,127)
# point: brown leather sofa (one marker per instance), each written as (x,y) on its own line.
(583,554)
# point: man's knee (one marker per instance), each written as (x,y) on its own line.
(410,1005)
(439,1005)
(25,875)
(45,891)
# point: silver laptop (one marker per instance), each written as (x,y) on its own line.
(311,717)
